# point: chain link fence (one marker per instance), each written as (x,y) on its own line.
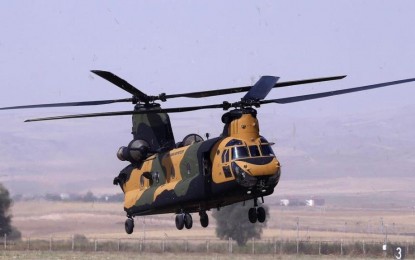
(174,245)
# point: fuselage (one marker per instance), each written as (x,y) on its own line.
(238,166)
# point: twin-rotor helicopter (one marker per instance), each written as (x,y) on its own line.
(196,175)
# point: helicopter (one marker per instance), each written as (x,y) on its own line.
(196,175)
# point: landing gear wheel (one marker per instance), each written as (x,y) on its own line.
(179,221)
(129,225)
(204,219)
(252,215)
(188,221)
(261,214)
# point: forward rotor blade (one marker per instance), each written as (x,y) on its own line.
(121,83)
(123,113)
(71,104)
(333,93)
(261,89)
(218,92)
(227,105)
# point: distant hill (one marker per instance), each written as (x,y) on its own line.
(365,145)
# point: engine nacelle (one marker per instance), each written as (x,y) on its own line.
(135,152)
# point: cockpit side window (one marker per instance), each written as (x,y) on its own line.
(267,150)
(225,156)
(239,152)
(253,149)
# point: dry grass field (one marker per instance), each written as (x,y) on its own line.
(353,211)
(351,216)
(106,220)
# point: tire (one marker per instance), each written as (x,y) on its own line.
(252,215)
(179,221)
(129,226)
(261,214)
(204,219)
(188,221)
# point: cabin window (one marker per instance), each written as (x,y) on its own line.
(156,177)
(172,173)
(239,152)
(267,150)
(225,156)
(253,149)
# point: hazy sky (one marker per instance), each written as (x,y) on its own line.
(48,47)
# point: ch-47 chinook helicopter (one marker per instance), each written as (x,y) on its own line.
(196,175)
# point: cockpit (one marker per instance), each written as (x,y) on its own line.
(239,150)
(250,163)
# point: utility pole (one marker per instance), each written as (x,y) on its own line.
(381,225)
(345,229)
(144,228)
(298,233)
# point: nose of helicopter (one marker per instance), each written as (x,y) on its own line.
(263,172)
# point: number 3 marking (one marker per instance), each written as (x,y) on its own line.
(399,253)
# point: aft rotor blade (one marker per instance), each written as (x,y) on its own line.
(123,113)
(71,104)
(218,92)
(121,83)
(333,93)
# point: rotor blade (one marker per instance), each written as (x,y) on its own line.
(261,89)
(121,83)
(123,113)
(218,92)
(333,93)
(71,104)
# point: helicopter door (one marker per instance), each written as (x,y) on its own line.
(207,173)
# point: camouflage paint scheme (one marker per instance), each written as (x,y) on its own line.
(202,175)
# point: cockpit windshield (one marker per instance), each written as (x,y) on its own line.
(239,152)
(253,149)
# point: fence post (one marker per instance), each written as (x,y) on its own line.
(230,246)
(253,246)
(141,245)
(207,246)
(73,242)
(364,249)
(281,241)
(50,243)
(118,245)
(319,247)
(298,245)
(275,246)
(407,248)
(341,247)
(5,241)
(185,245)
(163,245)
(28,244)
(95,245)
